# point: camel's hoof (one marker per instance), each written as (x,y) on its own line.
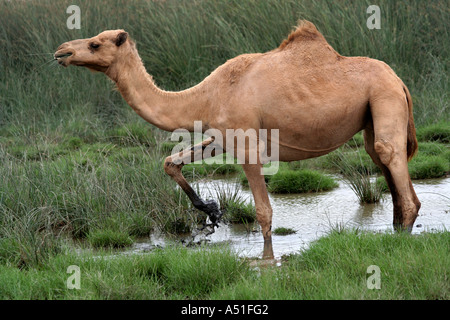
(399,228)
(211,208)
(213,211)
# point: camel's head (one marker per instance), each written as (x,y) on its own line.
(97,53)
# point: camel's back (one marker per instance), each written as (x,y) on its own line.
(303,57)
(305,72)
(304,88)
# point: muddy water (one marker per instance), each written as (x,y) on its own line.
(313,215)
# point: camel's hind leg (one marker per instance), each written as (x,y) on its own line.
(386,143)
(173,165)
(262,204)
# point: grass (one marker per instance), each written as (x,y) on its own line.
(207,170)
(236,209)
(359,180)
(282,231)
(240,212)
(334,267)
(28,240)
(100,185)
(289,181)
(425,167)
(359,170)
(172,273)
(433,158)
(382,184)
(104,238)
(439,132)
(133,134)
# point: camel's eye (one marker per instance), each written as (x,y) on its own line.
(94,45)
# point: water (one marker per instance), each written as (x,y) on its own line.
(313,215)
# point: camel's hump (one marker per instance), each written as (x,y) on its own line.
(305,31)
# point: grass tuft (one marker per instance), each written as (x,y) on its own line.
(289,181)
(235,208)
(423,166)
(282,231)
(360,181)
(439,132)
(107,238)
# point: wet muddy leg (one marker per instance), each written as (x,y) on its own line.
(173,165)
(262,204)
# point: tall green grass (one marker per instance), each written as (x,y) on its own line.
(85,192)
(181,42)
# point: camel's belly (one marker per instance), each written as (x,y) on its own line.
(301,138)
(294,153)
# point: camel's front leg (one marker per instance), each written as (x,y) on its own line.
(262,204)
(173,165)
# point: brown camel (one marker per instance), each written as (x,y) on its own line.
(315,97)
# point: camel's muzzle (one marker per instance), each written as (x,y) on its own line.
(61,56)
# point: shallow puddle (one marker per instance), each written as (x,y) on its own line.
(313,215)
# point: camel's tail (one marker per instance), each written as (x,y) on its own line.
(412,145)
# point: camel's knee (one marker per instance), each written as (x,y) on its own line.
(171,168)
(385,151)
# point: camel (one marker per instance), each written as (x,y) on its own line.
(316,98)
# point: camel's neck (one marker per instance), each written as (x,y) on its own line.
(166,110)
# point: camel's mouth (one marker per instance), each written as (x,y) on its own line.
(61,57)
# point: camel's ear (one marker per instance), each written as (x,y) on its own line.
(121,38)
